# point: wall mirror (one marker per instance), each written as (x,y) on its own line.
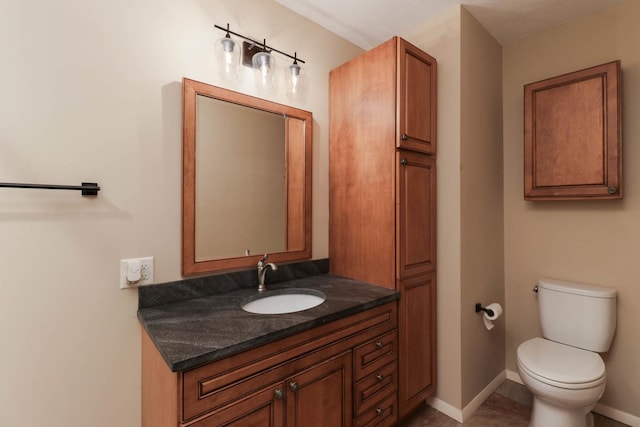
(246,180)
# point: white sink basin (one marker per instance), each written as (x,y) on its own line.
(284,301)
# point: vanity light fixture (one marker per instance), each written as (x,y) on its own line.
(264,69)
(260,57)
(228,57)
(295,79)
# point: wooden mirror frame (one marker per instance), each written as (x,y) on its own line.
(190,266)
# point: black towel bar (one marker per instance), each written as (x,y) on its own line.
(87,188)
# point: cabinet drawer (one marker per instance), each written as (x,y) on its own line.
(374,387)
(384,414)
(262,408)
(375,354)
(204,394)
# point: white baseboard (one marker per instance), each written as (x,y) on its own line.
(514,376)
(607,411)
(477,401)
(616,414)
(464,414)
(447,409)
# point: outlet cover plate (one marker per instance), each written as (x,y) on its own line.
(146,268)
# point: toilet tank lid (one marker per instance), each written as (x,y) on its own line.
(577,288)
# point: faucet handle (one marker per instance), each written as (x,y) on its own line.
(264,258)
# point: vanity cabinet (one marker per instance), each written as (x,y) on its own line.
(309,379)
(382,201)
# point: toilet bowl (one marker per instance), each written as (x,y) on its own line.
(566,382)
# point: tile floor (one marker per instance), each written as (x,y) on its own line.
(509,406)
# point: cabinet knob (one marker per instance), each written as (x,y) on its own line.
(279,393)
(404,137)
(293,386)
(379,377)
(379,344)
(403,161)
(379,411)
(612,190)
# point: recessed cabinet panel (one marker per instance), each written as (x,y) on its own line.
(321,396)
(417,338)
(573,136)
(417,109)
(416,214)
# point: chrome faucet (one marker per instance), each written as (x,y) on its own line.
(262,271)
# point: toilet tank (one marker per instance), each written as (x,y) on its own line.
(577,314)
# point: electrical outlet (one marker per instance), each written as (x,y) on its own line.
(136,272)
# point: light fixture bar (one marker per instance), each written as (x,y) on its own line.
(259,44)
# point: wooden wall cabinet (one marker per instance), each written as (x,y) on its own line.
(382,194)
(573,136)
(307,380)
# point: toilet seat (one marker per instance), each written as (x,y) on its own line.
(560,365)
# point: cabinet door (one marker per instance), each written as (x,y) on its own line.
(321,395)
(572,136)
(416,99)
(417,330)
(261,409)
(416,214)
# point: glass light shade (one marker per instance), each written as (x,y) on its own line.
(295,81)
(264,66)
(228,58)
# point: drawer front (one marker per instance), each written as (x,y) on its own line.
(205,394)
(375,354)
(374,387)
(263,408)
(384,414)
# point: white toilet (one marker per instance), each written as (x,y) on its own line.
(563,370)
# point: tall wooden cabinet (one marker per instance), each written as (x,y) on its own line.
(382,187)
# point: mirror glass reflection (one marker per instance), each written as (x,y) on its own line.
(240,180)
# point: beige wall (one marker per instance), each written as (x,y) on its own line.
(482,252)
(91,91)
(593,242)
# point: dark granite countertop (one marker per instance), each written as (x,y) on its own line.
(195,331)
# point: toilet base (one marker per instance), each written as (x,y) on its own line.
(544,414)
